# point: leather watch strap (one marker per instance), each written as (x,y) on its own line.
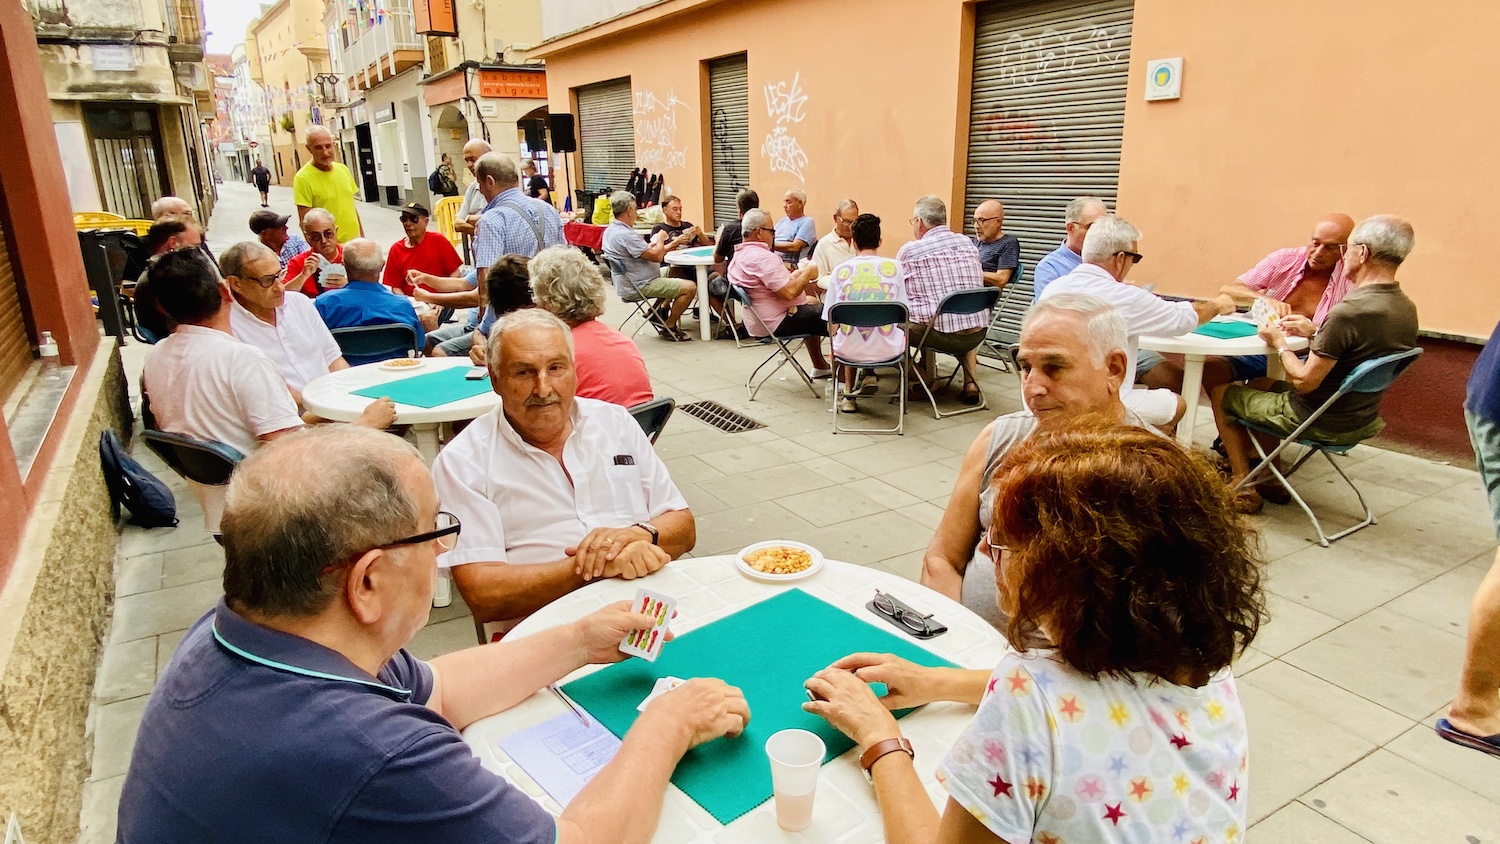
(651,529)
(868,759)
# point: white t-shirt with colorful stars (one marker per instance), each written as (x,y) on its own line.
(1054,757)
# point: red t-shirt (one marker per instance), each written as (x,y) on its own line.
(434,255)
(310,288)
(609,366)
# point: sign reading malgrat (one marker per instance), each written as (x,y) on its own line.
(513,84)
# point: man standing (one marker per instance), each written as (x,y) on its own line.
(939,261)
(642,261)
(466,220)
(536,184)
(365,301)
(777,293)
(1077,218)
(420,250)
(1109,253)
(272,230)
(512,223)
(553,490)
(837,246)
(442,181)
(306,271)
(795,233)
(294,712)
(999,253)
(262,178)
(325,183)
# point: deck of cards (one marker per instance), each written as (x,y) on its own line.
(647,643)
(1263,314)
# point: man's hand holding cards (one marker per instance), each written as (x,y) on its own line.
(646,643)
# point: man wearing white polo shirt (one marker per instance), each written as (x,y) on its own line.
(553,491)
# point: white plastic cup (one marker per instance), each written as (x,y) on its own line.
(796,757)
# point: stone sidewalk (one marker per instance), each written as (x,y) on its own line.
(1362,652)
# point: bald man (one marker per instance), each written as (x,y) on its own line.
(999,253)
(468,213)
(325,183)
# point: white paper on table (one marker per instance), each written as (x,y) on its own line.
(562,755)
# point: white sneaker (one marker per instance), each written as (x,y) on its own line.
(820,373)
(442,593)
(847,405)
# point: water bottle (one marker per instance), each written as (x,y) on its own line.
(50,362)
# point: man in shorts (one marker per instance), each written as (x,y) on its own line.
(642,261)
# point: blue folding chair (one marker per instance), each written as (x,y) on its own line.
(869,315)
(201,461)
(375,343)
(958,303)
(784,346)
(1372,376)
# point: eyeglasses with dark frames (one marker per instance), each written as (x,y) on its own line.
(1136,255)
(266,282)
(887,605)
(978,220)
(448,525)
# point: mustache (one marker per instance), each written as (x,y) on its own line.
(543,401)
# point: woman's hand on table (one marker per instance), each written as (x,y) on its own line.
(907,684)
(707,707)
(850,705)
(601,632)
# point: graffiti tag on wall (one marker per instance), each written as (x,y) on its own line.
(784,105)
(656,142)
(1027,61)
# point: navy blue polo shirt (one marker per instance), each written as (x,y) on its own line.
(361,303)
(258,735)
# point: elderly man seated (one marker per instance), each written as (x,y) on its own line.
(1077,218)
(939,261)
(365,301)
(999,253)
(555,490)
(796,234)
(837,246)
(1375,319)
(294,713)
(305,272)
(642,278)
(507,287)
(1109,253)
(420,253)
(609,364)
(166,235)
(1074,357)
(776,293)
(272,230)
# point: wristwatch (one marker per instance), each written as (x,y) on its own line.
(868,759)
(651,529)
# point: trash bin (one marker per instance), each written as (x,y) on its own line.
(109,257)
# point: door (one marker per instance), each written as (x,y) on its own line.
(1047,111)
(130,165)
(367,162)
(729,111)
(606,135)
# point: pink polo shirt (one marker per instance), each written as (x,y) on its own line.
(609,366)
(760,272)
(1279,273)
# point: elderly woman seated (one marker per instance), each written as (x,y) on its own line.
(609,365)
(1126,567)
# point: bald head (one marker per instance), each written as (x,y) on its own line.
(989,219)
(473,150)
(171,206)
(363,259)
(1326,246)
(321,147)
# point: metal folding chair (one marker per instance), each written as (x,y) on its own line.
(1372,376)
(201,461)
(783,353)
(644,308)
(1005,324)
(957,303)
(870,315)
(653,415)
(374,343)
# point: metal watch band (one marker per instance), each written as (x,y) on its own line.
(868,759)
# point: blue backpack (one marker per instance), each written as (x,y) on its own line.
(149,501)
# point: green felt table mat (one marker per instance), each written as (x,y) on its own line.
(1227,330)
(768,650)
(430,389)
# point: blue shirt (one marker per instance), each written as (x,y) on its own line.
(504,231)
(258,735)
(626,245)
(1002,253)
(1057,263)
(361,303)
(1484,382)
(293,247)
(788,230)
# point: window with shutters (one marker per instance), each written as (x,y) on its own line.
(15,331)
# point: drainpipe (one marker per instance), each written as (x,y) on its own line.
(467,66)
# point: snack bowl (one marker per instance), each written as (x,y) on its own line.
(402,364)
(750,571)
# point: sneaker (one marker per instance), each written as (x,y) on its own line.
(820,373)
(867,384)
(847,405)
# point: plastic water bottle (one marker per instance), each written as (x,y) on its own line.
(50,361)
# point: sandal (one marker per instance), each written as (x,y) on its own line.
(969,398)
(1483,744)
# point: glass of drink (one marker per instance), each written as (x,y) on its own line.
(796,757)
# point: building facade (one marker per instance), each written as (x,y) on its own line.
(249,125)
(285,51)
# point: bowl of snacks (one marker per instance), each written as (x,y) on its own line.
(778,560)
(402,364)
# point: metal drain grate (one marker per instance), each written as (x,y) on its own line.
(720,416)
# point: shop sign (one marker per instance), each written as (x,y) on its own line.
(435,17)
(513,84)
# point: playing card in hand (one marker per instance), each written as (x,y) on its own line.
(647,643)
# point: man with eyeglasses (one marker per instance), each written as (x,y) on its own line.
(306,272)
(272,230)
(837,246)
(419,254)
(1110,251)
(999,253)
(1078,217)
(293,711)
(778,294)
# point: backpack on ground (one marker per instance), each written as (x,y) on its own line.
(149,501)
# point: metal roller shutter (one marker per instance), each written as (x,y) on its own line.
(15,344)
(729,105)
(606,134)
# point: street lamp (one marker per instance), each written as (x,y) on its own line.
(327,86)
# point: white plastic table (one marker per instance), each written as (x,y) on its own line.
(331,397)
(701,257)
(1195,348)
(709,588)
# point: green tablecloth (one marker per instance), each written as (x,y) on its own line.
(430,389)
(768,650)
(1227,330)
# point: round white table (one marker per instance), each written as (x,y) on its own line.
(331,397)
(710,588)
(701,257)
(1195,348)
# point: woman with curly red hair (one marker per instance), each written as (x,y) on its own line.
(1133,584)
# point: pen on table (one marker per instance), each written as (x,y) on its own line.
(571,705)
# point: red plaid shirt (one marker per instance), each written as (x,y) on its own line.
(1279,273)
(939,263)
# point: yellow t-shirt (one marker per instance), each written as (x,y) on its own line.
(332,189)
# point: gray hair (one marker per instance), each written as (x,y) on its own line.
(1388,237)
(171,206)
(1105,330)
(363,259)
(321,214)
(232,261)
(498,167)
(799,195)
(753,219)
(565,283)
(316,130)
(284,526)
(620,202)
(1075,210)
(524,318)
(1107,236)
(931,211)
(845,206)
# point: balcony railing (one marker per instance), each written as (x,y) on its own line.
(184,30)
(380,44)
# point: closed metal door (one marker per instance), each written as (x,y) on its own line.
(129,163)
(729,111)
(606,134)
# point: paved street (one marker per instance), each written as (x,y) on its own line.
(1362,652)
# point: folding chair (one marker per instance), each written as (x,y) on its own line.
(1005,326)
(644,308)
(783,353)
(444,215)
(1372,376)
(957,303)
(653,415)
(870,315)
(375,343)
(201,461)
